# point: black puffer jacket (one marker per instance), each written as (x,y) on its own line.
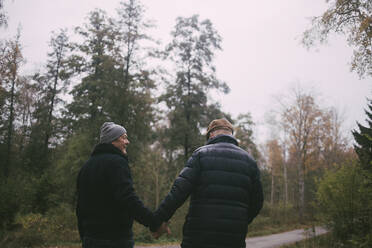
(107,203)
(226,195)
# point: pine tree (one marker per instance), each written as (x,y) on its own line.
(192,52)
(93,61)
(49,85)
(363,138)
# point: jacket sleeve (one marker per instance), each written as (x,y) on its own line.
(181,189)
(256,198)
(124,194)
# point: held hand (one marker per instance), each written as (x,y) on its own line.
(161,230)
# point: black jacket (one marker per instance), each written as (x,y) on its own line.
(226,195)
(107,203)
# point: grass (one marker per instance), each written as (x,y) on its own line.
(271,220)
(321,241)
(274,220)
(266,230)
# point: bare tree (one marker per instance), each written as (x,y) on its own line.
(301,118)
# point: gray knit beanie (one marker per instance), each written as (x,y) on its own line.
(110,132)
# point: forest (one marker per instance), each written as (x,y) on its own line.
(113,70)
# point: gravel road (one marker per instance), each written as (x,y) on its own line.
(270,241)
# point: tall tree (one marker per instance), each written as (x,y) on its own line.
(28,97)
(50,85)
(57,80)
(93,61)
(13,60)
(301,119)
(136,78)
(363,138)
(132,28)
(314,142)
(192,53)
(115,83)
(112,84)
(348,17)
(275,161)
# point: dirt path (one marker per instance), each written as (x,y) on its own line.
(270,241)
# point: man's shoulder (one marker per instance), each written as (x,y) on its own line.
(108,160)
(220,146)
(106,155)
(228,149)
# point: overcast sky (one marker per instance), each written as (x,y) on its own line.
(262,56)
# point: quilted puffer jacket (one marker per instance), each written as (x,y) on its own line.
(226,195)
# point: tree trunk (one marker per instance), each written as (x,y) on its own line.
(51,109)
(272,186)
(301,188)
(187,113)
(157,193)
(285,177)
(10,131)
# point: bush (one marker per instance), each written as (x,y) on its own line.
(61,225)
(58,225)
(8,202)
(29,235)
(273,219)
(345,205)
(322,241)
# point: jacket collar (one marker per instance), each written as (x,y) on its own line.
(222,138)
(107,148)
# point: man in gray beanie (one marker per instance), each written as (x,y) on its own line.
(112,133)
(107,203)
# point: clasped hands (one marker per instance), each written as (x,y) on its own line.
(161,230)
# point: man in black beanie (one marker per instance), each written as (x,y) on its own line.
(107,203)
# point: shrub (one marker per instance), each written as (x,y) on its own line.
(29,235)
(344,202)
(8,202)
(58,225)
(273,219)
(61,225)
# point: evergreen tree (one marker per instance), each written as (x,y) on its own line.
(93,61)
(134,90)
(46,129)
(363,139)
(192,52)
(115,86)
(132,27)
